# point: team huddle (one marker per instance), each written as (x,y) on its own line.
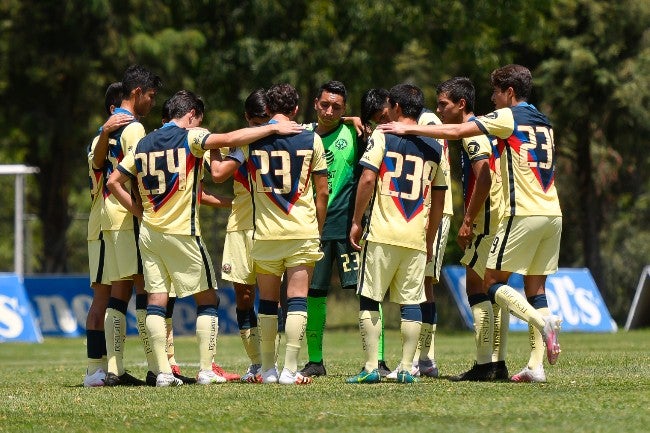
(370,195)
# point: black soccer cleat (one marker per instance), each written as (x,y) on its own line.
(312,369)
(478,373)
(124,380)
(500,370)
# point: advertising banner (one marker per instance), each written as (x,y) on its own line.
(17,319)
(61,305)
(571,293)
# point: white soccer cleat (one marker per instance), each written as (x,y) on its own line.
(527,375)
(552,326)
(208,377)
(290,378)
(269,376)
(95,379)
(168,379)
(393,374)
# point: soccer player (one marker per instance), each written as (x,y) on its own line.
(237,264)
(341,144)
(167,165)
(120,229)
(528,238)
(288,217)
(375,108)
(403,178)
(99,281)
(483,209)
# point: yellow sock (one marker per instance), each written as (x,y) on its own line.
(483,331)
(268,326)
(501,324)
(170,341)
(141,317)
(115,330)
(537,347)
(294,329)
(370,327)
(157,338)
(251,340)
(207,327)
(424,342)
(509,298)
(410,331)
(94,365)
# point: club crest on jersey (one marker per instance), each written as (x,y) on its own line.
(473,148)
(226,268)
(341,143)
(492,115)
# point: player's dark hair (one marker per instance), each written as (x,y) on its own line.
(282,98)
(335,87)
(255,104)
(372,102)
(183,102)
(516,76)
(458,88)
(409,97)
(164,113)
(113,96)
(138,76)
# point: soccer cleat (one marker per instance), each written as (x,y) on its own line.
(95,379)
(551,332)
(365,377)
(176,371)
(478,373)
(499,370)
(124,380)
(527,375)
(221,372)
(207,377)
(151,378)
(426,367)
(383,368)
(252,373)
(313,369)
(287,377)
(404,376)
(167,379)
(268,376)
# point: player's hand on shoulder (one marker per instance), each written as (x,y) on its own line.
(116,121)
(288,128)
(392,128)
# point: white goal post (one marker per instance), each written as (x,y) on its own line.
(18,170)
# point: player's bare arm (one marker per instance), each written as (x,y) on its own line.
(222,169)
(116,184)
(113,123)
(365,189)
(244,136)
(321,197)
(450,131)
(481,191)
(215,200)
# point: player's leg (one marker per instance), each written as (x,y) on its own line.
(500,341)
(141,316)
(115,329)
(169,346)
(248,329)
(269,287)
(482,311)
(317,310)
(95,337)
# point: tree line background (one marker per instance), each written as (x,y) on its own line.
(590,61)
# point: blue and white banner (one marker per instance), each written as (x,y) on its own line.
(61,304)
(17,319)
(571,293)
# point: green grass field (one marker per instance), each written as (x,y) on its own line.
(600,384)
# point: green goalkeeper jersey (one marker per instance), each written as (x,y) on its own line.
(342,156)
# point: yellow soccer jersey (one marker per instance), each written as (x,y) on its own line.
(121,143)
(527,158)
(168,164)
(96,183)
(407,168)
(429,118)
(475,149)
(241,215)
(280,169)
